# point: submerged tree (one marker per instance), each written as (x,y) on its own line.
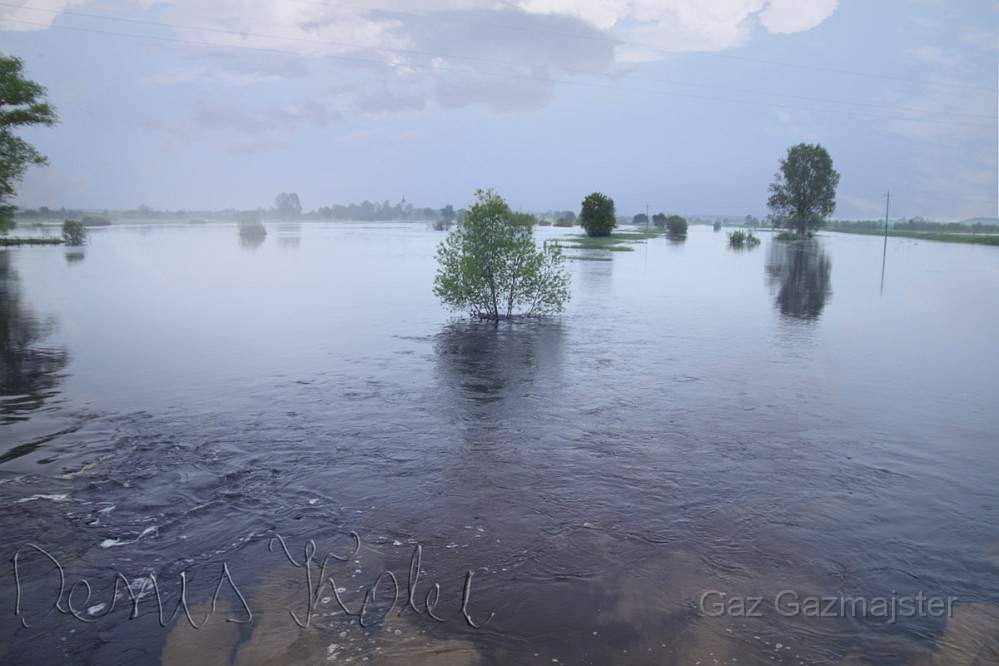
(22,103)
(74,233)
(597,215)
(803,193)
(659,219)
(287,206)
(490,266)
(676,227)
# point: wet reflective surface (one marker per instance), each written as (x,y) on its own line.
(699,420)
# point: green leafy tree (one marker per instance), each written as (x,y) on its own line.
(676,226)
(490,266)
(659,219)
(803,193)
(74,233)
(641,218)
(597,215)
(22,104)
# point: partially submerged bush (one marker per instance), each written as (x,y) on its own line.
(676,227)
(740,239)
(73,232)
(491,268)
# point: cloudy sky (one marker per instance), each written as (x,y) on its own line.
(684,105)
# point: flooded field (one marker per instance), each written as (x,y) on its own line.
(702,431)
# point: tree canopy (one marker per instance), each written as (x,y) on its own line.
(74,233)
(676,227)
(490,267)
(287,205)
(597,215)
(22,104)
(803,193)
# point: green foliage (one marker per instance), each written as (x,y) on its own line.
(716,226)
(491,268)
(676,227)
(659,220)
(803,193)
(741,239)
(22,104)
(14,241)
(73,232)
(597,215)
(523,219)
(974,239)
(793,236)
(641,218)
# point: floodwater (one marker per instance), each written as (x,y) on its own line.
(702,426)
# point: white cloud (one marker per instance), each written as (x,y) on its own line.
(786,16)
(383,57)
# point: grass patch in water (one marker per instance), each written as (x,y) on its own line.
(942,236)
(619,241)
(14,242)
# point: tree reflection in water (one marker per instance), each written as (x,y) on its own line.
(482,363)
(799,271)
(29,371)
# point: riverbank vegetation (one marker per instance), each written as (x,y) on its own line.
(22,104)
(941,236)
(6,241)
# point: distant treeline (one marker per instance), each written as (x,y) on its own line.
(917,224)
(287,207)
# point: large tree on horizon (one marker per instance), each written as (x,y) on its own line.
(803,193)
(22,103)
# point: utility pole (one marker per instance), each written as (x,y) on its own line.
(884,251)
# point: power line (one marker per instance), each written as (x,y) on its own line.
(492,61)
(437,67)
(615,42)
